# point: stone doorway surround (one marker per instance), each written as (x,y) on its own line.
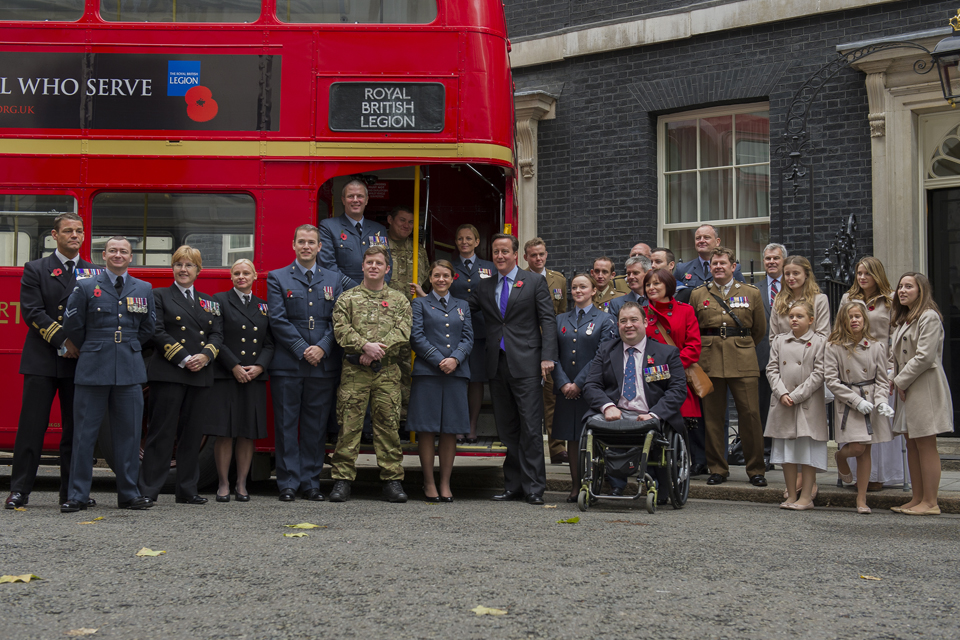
(908,117)
(530,108)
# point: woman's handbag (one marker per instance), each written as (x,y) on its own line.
(697,378)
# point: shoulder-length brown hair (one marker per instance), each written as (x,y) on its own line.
(874,267)
(781,303)
(841,334)
(906,315)
(664,276)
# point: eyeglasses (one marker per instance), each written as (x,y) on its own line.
(184,265)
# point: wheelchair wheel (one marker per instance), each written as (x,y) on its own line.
(583,500)
(651,501)
(679,467)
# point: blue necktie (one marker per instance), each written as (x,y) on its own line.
(630,376)
(504,296)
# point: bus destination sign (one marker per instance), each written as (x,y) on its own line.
(139,91)
(387,106)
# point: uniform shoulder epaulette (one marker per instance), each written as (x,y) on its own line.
(747,284)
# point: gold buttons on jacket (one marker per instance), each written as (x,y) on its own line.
(447,325)
(201,333)
(178,317)
(574,339)
(243,353)
(60,318)
(254,341)
(253,328)
(60,308)
(243,339)
(182,341)
(254,353)
(202,343)
(183,328)
(243,326)
(311,304)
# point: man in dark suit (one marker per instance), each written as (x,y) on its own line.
(343,239)
(109,318)
(306,364)
(521,350)
(773,257)
(613,388)
(48,360)
(696,272)
(636,267)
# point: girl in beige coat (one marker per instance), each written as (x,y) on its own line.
(855,371)
(799,284)
(924,407)
(797,421)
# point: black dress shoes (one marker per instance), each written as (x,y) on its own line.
(535,498)
(445,499)
(314,495)
(72,506)
(716,478)
(138,503)
(192,500)
(393,492)
(221,498)
(287,495)
(758,481)
(508,495)
(699,470)
(616,491)
(242,497)
(341,491)
(16,499)
(91,503)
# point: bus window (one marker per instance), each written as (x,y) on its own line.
(219,225)
(180,11)
(25,224)
(357,11)
(66,10)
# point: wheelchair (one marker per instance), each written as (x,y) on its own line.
(624,448)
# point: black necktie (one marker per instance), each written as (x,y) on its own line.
(69,265)
(359,229)
(706,271)
(246,299)
(118,284)
(187,294)
(443,301)
(579,317)
(309,276)
(468,263)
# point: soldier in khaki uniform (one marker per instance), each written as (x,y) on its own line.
(535,253)
(608,287)
(399,230)
(729,357)
(371,322)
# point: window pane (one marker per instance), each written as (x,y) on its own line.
(681,198)
(180,10)
(753,238)
(357,11)
(716,195)
(681,145)
(753,137)
(209,222)
(715,142)
(682,244)
(753,192)
(25,224)
(41,10)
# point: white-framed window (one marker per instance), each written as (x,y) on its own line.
(714,168)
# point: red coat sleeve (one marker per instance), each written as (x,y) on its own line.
(685,324)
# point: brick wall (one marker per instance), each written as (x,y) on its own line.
(598,159)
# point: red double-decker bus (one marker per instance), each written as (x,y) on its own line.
(225,125)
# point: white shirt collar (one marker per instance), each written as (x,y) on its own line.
(241,294)
(184,291)
(63,259)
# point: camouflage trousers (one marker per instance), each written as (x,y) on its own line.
(359,385)
(406,379)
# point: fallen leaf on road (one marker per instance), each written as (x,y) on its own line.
(549,506)
(27,577)
(19,508)
(92,521)
(639,524)
(148,552)
(82,631)
(305,525)
(573,520)
(295,535)
(870,578)
(480,610)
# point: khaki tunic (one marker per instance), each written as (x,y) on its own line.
(613,289)
(796,369)
(821,319)
(558,291)
(918,370)
(734,356)
(868,361)
(401,271)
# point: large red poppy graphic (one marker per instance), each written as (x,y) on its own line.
(201,107)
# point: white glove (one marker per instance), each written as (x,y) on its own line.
(865,407)
(885,410)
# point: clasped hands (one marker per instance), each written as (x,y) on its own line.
(612,413)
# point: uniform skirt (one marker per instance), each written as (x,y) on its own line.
(438,404)
(238,410)
(478,362)
(568,418)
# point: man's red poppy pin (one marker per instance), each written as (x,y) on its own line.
(519,284)
(343,235)
(96,292)
(57,272)
(384,303)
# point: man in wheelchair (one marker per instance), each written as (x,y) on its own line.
(632,380)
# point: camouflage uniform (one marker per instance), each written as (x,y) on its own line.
(361,316)
(401,276)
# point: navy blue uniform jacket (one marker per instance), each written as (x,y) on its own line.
(440,333)
(576,348)
(341,247)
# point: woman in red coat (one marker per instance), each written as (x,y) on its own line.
(680,321)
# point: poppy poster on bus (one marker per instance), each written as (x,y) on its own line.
(177,92)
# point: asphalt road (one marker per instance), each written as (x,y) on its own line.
(378,570)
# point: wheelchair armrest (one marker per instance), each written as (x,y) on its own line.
(622,426)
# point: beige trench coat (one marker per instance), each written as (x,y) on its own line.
(796,368)
(918,370)
(821,319)
(868,361)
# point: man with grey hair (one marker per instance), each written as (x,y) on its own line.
(637,267)
(773,256)
(639,249)
(696,272)
(343,239)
